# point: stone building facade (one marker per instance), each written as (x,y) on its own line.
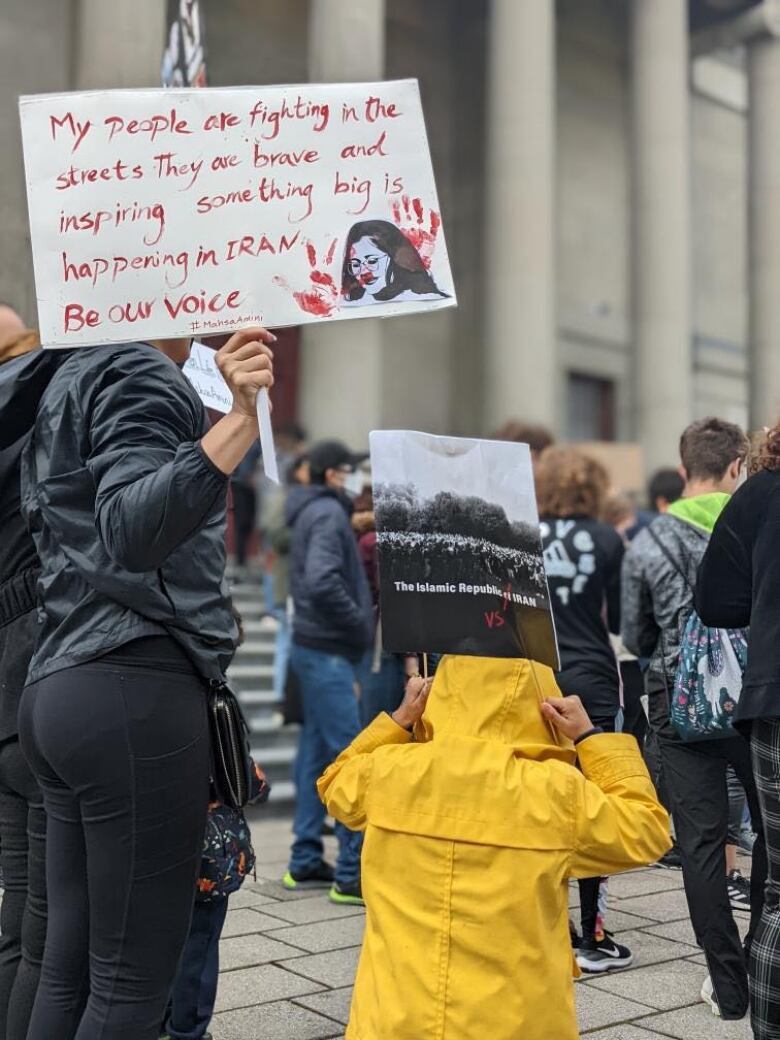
(609,175)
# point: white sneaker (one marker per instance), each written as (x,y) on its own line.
(708,997)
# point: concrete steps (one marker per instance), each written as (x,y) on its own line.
(252,677)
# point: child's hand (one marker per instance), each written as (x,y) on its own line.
(415,699)
(568,715)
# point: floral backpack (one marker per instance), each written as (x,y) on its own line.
(708,681)
(709,675)
(228,855)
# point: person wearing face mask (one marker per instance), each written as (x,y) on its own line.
(332,629)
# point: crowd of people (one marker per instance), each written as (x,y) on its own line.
(493,783)
(623,588)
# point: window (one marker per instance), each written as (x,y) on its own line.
(590,408)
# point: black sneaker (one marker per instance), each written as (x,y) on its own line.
(206,1036)
(322,874)
(574,935)
(739,891)
(347,893)
(672,860)
(596,956)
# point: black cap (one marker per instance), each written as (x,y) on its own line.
(327,455)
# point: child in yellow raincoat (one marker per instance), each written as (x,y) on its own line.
(472,833)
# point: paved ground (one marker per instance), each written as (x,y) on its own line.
(288,961)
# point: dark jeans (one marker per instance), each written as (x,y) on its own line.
(737,805)
(23,914)
(244,514)
(658,726)
(330,724)
(122,756)
(383,690)
(635,719)
(695,777)
(195,989)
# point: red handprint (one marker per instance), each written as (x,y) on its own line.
(409,216)
(323,298)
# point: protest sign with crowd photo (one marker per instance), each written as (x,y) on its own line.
(159,213)
(460,555)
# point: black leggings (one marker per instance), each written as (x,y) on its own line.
(591,909)
(23,915)
(121,754)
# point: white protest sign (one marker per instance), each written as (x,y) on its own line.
(202,372)
(162,213)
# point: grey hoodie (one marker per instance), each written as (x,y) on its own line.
(657,595)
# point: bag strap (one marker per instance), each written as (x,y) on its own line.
(667,553)
(676,565)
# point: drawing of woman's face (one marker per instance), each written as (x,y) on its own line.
(368,265)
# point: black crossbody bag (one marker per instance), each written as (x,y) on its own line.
(231,761)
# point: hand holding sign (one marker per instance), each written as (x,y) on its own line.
(246,365)
(568,715)
(413,705)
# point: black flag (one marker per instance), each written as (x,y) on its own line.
(184,59)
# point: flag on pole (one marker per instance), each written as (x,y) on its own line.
(184,59)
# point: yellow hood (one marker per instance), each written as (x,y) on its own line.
(481,742)
(496,700)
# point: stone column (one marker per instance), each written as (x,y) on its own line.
(119,44)
(521,367)
(764,229)
(36,57)
(662,235)
(341,362)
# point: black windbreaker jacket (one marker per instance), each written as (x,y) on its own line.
(739,585)
(127,512)
(23,380)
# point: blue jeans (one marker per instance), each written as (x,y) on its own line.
(330,724)
(282,650)
(195,987)
(382,690)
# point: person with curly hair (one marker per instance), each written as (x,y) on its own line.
(583,557)
(739,585)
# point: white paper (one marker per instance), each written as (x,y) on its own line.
(202,372)
(270,464)
(163,213)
